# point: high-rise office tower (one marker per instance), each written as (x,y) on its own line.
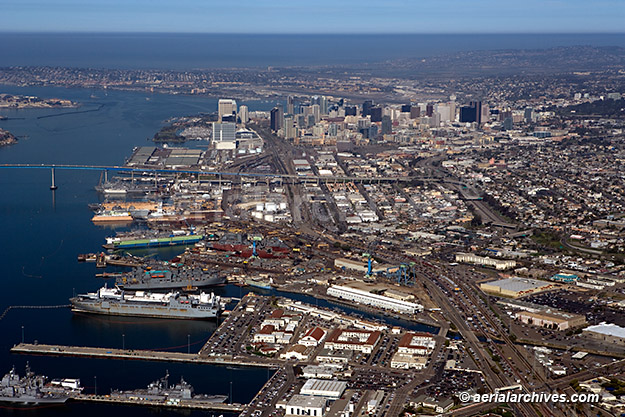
(290,108)
(316,111)
(481,111)
(468,114)
(301,121)
(405,108)
(244,114)
(351,110)
(376,114)
(373,131)
(226,107)
(276,118)
(290,130)
(528,115)
(415,112)
(366,108)
(323,105)
(387,125)
(429,110)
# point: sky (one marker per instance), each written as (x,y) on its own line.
(319,16)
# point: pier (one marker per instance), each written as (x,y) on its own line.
(196,405)
(139,354)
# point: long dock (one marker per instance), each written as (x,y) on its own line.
(197,405)
(137,354)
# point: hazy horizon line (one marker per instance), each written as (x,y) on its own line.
(98,32)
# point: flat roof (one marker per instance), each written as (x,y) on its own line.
(518,284)
(608,329)
(307,401)
(325,386)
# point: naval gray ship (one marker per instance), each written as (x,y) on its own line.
(178,394)
(173,305)
(166,277)
(35,389)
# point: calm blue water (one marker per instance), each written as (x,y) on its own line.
(41,238)
(188,51)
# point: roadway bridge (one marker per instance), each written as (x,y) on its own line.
(217,174)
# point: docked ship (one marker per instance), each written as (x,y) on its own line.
(173,305)
(144,239)
(35,389)
(259,283)
(181,393)
(112,216)
(231,242)
(165,277)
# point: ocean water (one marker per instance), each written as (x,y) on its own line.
(196,51)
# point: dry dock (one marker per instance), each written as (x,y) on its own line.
(232,408)
(135,354)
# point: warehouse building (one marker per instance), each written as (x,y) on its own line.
(498,264)
(608,332)
(322,388)
(375,300)
(551,319)
(515,287)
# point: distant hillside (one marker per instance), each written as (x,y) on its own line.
(507,62)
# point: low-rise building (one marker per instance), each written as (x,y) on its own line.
(338,356)
(351,339)
(551,319)
(322,388)
(306,405)
(608,332)
(297,352)
(416,344)
(515,287)
(408,361)
(498,264)
(375,300)
(313,337)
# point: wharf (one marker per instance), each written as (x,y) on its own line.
(135,354)
(197,405)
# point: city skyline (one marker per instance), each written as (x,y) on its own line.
(280,17)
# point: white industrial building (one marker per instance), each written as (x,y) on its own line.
(608,332)
(323,388)
(375,300)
